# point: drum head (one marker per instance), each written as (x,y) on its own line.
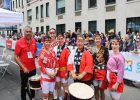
(81,91)
(35,77)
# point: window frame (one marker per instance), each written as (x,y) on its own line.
(80,6)
(108,3)
(47,9)
(89,2)
(62,10)
(29,18)
(42,11)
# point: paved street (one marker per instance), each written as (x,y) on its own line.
(10,86)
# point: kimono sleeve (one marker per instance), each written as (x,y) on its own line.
(40,62)
(88,62)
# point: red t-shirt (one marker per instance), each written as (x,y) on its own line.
(23,50)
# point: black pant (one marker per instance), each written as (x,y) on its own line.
(24,81)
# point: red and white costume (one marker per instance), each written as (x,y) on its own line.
(84,62)
(62,54)
(53,44)
(48,63)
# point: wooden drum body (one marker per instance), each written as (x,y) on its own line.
(34,82)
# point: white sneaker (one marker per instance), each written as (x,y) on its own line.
(55,95)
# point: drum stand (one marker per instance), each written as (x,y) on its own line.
(29,92)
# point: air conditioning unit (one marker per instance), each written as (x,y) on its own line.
(41,20)
(60,17)
(110,8)
(78,13)
(28,4)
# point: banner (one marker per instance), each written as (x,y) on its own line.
(9,44)
(1,41)
(39,47)
(132,66)
(13,44)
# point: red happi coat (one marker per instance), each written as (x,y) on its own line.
(113,80)
(86,64)
(63,59)
(46,60)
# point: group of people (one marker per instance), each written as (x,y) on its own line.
(57,62)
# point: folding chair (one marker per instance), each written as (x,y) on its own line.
(3,56)
(4,66)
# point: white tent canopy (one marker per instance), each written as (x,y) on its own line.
(10,18)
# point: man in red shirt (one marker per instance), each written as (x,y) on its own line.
(24,55)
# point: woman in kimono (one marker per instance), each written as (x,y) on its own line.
(115,71)
(48,64)
(100,56)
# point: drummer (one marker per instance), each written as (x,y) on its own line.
(100,56)
(48,64)
(115,71)
(80,63)
(62,53)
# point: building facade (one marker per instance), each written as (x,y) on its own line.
(86,15)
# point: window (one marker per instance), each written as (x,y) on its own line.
(133,24)
(13,5)
(130,0)
(92,26)
(20,30)
(27,1)
(19,3)
(60,28)
(37,13)
(92,3)
(22,2)
(60,7)
(110,24)
(29,15)
(47,9)
(41,11)
(23,16)
(47,29)
(16,3)
(110,2)
(37,29)
(78,27)
(78,5)
(42,29)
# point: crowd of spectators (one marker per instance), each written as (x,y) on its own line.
(129,42)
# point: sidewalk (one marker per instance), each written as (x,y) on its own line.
(10,86)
